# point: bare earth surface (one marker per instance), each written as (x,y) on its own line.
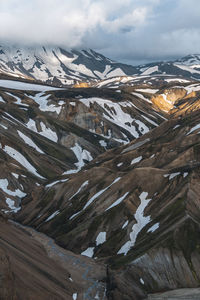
(133,209)
(35,275)
(184,294)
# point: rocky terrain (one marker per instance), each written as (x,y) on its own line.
(66,67)
(33,267)
(57,65)
(103,185)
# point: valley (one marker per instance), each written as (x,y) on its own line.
(99,183)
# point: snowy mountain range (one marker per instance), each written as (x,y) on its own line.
(99,186)
(59,66)
(112,176)
(188,67)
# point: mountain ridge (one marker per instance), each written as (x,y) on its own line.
(109,171)
(59,65)
(64,67)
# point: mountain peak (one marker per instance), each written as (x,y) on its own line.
(190,59)
(65,66)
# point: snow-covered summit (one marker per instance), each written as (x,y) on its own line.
(57,65)
(190,60)
(187,66)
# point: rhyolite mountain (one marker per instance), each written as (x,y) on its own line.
(46,132)
(99,188)
(59,66)
(187,66)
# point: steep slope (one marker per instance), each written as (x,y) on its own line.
(152,82)
(57,65)
(115,185)
(33,267)
(132,207)
(66,67)
(112,174)
(45,133)
(188,67)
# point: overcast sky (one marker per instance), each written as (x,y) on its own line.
(131,31)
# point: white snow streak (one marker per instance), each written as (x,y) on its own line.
(118,201)
(88,252)
(99,193)
(141,222)
(29,142)
(21,159)
(136,160)
(52,216)
(101,238)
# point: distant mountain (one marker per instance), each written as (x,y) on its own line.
(111,173)
(188,67)
(59,66)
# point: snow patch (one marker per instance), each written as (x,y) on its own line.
(46,132)
(153,228)
(42,100)
(99,193)
(81,155)
(11,205)
(55,182)
(29,142)
(150,70)
(118,201)
(52,216)
(141,96)
(141,220)
(15,175)
(150,91)
(74,296)
(81,187)
(17,85)
(4,126)
(4,186)
(125,224)
(89,252)
(21,159)
(136,160)
(172,175)
(103,143)
(194,128)
(142,281)
(101,238)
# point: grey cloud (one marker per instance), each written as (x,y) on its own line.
(131,30)
(126,29)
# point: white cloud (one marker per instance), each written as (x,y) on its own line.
(64,21)
(128,21)
(128,29)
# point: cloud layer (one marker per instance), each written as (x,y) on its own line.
(129,30)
